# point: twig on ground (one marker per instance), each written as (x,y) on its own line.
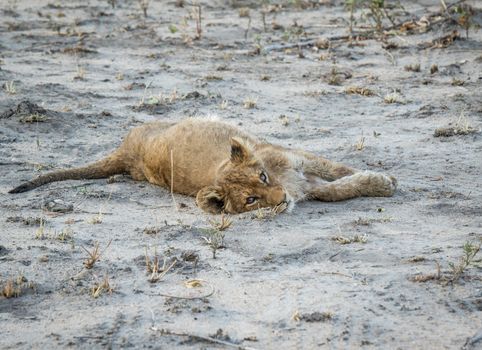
(164,331)
(202,296)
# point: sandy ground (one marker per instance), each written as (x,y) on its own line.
(84,74)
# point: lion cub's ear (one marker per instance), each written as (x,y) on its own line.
(239,150)
(210,199)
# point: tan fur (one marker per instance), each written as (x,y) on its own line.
(223,166)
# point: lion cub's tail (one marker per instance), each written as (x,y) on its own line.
(106,167)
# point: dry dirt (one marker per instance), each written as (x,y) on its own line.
(84,73)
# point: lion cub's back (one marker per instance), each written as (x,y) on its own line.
(198,147)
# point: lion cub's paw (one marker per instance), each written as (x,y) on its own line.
(379,185)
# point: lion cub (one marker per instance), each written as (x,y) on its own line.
(226,169)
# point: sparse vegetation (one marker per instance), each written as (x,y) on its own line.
(465,13)
(259,65)
(214,239)
(374,11)
(14,288)
(456,269)
(461,127)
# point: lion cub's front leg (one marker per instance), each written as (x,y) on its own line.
(362,184)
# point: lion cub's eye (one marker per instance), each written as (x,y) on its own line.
(251,200)
(263,177)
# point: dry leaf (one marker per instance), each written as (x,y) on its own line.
(193,284)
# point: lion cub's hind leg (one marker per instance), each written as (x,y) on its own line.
(362,184)
(324,168)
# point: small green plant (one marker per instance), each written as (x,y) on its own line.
(375,11)
(456,269)
(465,14)
(214,239)
(173,29)
(470,250)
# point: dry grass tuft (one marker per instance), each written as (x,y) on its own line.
(94,255)
(356,90)
(40,232)
(415,67)
(457,82)
(393,98)
(96,219)
(285,121)
(346,240)
(14,288)
(10,88)
(269,213)
(223,105)
(360,145)
(334,78)
(152,265)
(461,127)
(102,287)
(80,73)
(243,12)
(223,224)
(250,102)
(34,118)
(10,290)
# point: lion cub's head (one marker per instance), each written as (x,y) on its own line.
(242,184)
